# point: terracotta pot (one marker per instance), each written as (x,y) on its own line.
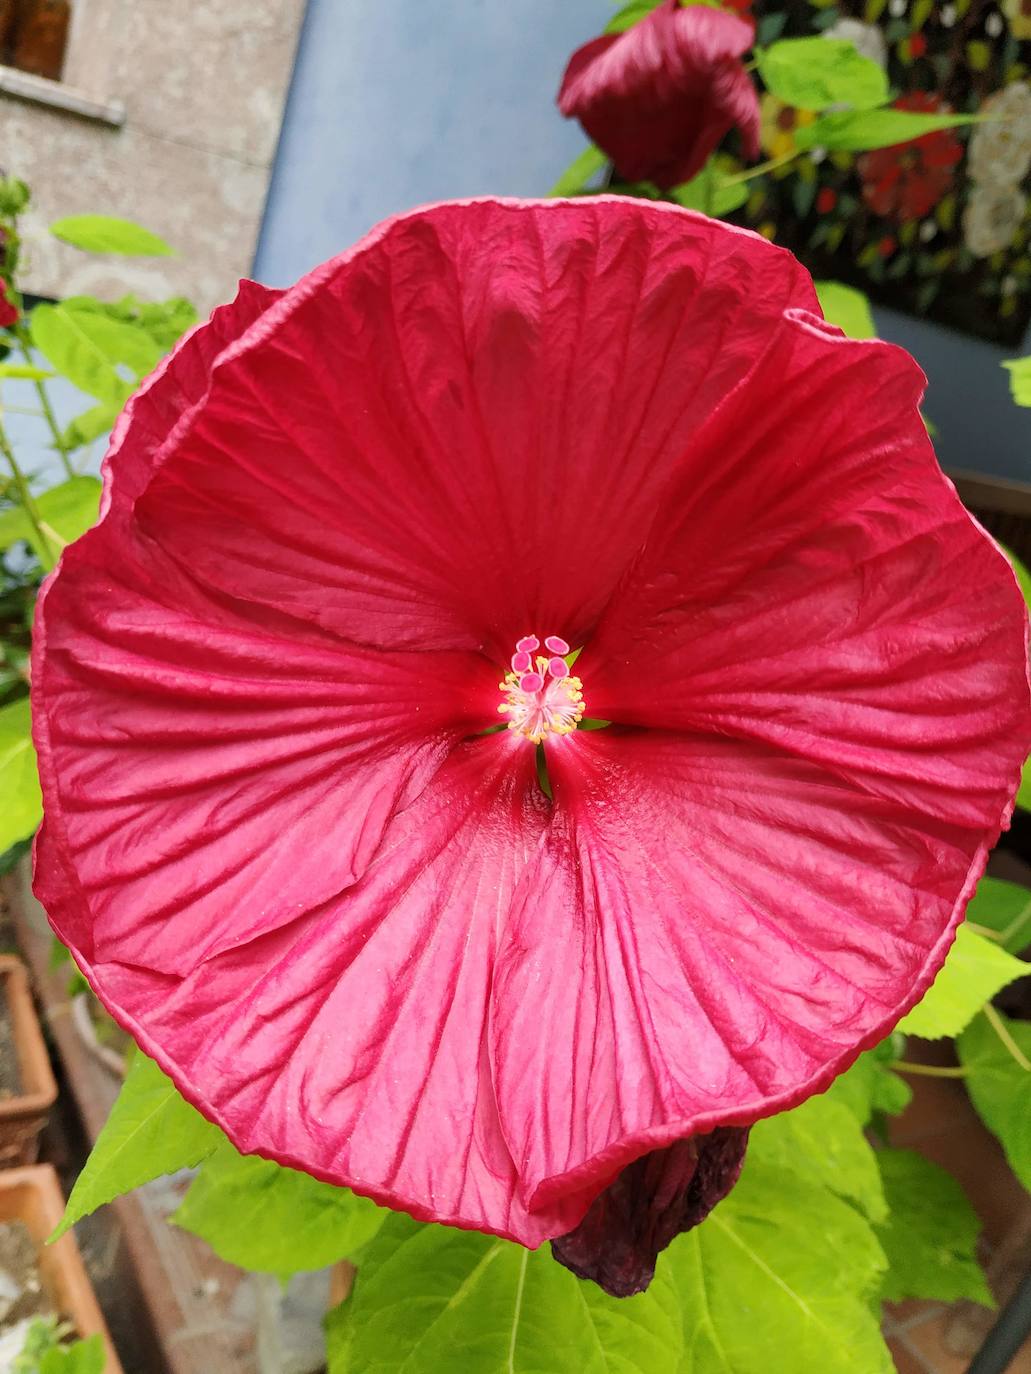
(40,35)
(33,1196)
(23,1116)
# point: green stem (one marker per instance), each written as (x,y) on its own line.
(985,931)
(1007,935)
(25,345)
(927,1070)
(763,168)
(25,497)
(709,192)
(999,1027)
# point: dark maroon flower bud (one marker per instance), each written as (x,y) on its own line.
(660,97)
(650,1202)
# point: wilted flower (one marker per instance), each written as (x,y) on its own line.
(659,98)
(348,531)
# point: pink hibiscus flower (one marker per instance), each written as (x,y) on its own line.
(349,529)
(659,98)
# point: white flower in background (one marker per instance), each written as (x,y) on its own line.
(867,38)
(897,8)
(947,16)
(928,230)
(993,25)
(992,217)
(1010,285)
(1000,149)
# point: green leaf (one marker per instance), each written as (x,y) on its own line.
(82,1357)
(167,321)
(861,130)
(579,172)
(847,308)
(1020,380)
(709,192)
(262,1216)
(1005,908)
(780,1279)
(823,1142)
(930,1235)
(430,1298)
(59,336)
(1000,1087)
(25,372)
(90,425)
(151,1131)
(871,1086)
(22,808)
(69,509)
(163,321)
(119,341)
(107,234)
(975,969)
(814,73)
(759,1286)
(630,14)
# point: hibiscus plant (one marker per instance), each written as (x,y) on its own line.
(661,89)
(517,748)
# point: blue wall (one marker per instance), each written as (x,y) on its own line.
(393,105)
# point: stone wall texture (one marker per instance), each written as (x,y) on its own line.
(203,86)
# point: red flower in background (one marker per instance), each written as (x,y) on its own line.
(347,526)
(659,98)
(8,311)
(908,180)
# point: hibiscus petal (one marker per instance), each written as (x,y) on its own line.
(484,401)
(813,581)
(172,388)
(352,1044)
(208,776)
(712,931)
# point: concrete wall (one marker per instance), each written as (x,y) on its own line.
(168,114)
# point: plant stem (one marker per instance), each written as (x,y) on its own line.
(999,1027)
(763,168)
(25,497)
(1019,920)
(24,344)
(985,931)
(928,1070)
(710,192)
